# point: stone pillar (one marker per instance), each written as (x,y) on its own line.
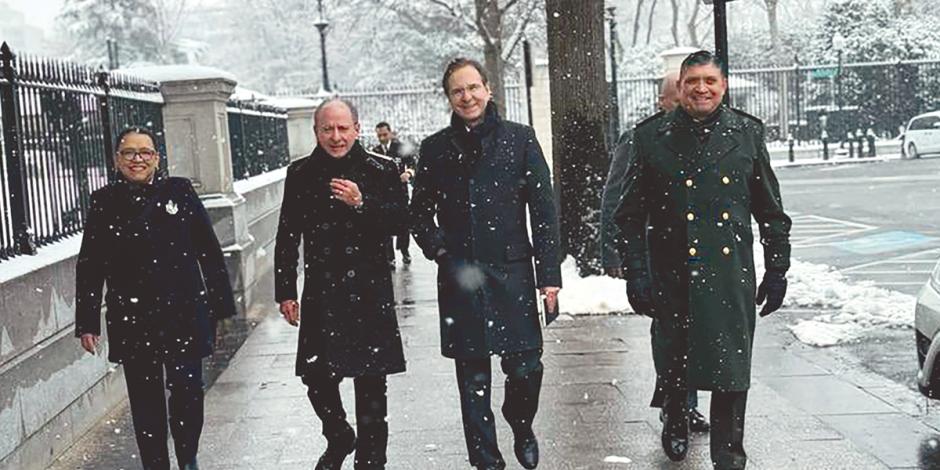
(300,133)
(542,109)
(197,140)
(672,58)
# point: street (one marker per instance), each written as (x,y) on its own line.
(849,406)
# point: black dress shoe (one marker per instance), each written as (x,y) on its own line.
(526,447)
(675,437)
(697,422)
(192,465)
(336,451)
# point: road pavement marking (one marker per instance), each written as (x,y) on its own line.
(814,230)
(883,242)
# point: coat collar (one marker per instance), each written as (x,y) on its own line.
(357,154)
(681,141)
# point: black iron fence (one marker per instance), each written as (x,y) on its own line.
(59,120)
(258,138)
(804,101)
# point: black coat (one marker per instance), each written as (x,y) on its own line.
(396,152)
(347,312)
(155,248)
(479,185)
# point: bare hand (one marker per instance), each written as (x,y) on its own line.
(290,309)
(615,272)
(406,176)
(346,191)
(90,342)
(551,296)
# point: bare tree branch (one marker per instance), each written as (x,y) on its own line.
(520,28)
(456,13)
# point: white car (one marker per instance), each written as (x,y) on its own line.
(922,135)
(927,332)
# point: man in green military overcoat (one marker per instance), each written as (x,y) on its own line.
(695,177)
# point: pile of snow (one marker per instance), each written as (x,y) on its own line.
(847,309)
(590,295)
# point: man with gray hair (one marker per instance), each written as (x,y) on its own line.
(344,202)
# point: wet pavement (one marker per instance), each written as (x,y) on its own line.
(808,409)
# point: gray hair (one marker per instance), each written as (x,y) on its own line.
(336,99)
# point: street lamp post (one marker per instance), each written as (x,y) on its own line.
(721,36)
(614,93)
(321,25)
(838,44)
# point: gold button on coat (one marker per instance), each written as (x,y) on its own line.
(725,216)
(726,250)
(725,180)
(690,216)
(688,183)
(692,251)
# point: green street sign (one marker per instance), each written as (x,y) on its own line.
(823,73)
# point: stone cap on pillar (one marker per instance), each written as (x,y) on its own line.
(182,83)
(672,58)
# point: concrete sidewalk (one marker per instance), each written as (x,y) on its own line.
(808,409)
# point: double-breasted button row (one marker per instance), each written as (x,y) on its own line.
(724,250)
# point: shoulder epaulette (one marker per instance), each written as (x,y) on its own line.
(650,119)
(377,160)
(749,116)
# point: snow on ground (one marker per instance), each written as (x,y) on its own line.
(846,309)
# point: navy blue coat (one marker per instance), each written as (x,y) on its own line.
(155,249)
(473,193)
(347,319)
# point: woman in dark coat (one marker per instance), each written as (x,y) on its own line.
(150,239)
(344,202)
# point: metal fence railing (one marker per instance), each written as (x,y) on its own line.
(802,101)
(417,112)
(258,138)
(59,120)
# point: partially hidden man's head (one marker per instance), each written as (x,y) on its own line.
(384,132)
(135,156)
(702,84)
(467,89)
(669,92)
(336,123)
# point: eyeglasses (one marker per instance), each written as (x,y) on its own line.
(471,89)
(145,154)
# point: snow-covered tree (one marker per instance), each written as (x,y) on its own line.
(144,30)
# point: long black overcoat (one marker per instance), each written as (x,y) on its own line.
(473,192)
(686,211)
(348,317)
(155,249)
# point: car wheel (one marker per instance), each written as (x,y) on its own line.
(911,150)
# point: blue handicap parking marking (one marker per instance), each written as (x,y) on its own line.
(884,242)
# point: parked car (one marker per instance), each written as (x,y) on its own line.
(922,135)
(927,333)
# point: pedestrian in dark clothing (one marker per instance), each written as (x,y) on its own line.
(391,147)
(610,233)
(475,181)
(344,202)
(150,239)
(695,177)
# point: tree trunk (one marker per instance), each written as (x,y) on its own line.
(692,25)
(649,22)
(489,24)
(675,22)
(773,23)
(636,21)
(579,122)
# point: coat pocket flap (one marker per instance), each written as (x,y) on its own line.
(518,251)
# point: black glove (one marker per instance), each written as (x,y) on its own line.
(772,289)
(640,293)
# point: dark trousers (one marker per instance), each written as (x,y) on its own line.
(371,411)
(523,383)
(145,390)
(727,430)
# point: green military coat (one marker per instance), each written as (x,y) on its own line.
(686,211)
